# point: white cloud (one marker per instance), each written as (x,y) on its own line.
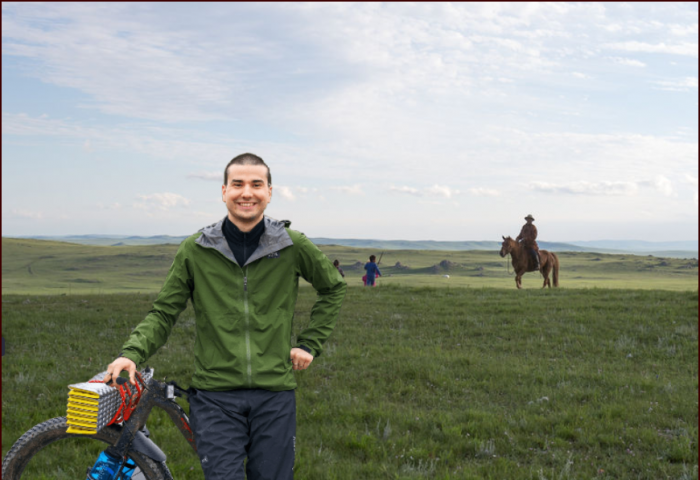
(349,190)
(684,30)
(604,188)
(213,176)
(629,62)
(284,192)
(662,185)
(434,191)
(685,48)
(484,192)
(78,49)
(407,190)
(21,213)
(441,191)
(680,85)
(580,75)
(659,183)
(162,201)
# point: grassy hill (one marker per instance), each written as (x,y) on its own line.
(424,377)
(634,247)
(46,267)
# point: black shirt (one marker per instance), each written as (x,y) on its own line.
(242,244)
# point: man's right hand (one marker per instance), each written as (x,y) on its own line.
(117,366)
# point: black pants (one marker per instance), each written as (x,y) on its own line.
(230,426)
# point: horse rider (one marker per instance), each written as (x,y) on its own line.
(527,237)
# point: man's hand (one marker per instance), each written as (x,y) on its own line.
(301,359)
(116,367)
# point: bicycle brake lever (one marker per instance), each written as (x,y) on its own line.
(178,391)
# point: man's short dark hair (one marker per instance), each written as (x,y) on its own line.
(248,159)
(372,258)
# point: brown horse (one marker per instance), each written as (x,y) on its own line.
(549,262)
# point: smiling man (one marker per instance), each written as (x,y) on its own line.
(242,275)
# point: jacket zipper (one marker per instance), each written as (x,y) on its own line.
(247,329)
(249,366)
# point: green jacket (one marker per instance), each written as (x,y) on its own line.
(243,314)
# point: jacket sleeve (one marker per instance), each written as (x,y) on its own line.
(318,270)
(153,331)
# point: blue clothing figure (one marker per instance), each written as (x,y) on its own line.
(372,271)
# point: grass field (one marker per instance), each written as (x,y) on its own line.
(457,380)
(44,267)
(420,382)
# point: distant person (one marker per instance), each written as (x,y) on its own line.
(241,275)
(336,264)
(527,237)
(372,272)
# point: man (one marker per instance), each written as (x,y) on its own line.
(527,237)
(241,275)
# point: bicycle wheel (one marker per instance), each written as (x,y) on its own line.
(47,451)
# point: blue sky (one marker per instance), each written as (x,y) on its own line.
(417,121)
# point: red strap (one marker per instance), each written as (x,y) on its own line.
(129,399)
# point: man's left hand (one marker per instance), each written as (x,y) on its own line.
(301,359)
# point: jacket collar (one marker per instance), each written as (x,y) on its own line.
(273,239)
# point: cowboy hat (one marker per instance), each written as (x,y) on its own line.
(530,217)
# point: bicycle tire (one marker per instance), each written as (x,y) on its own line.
(50,431)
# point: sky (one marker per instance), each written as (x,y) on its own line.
(412,121)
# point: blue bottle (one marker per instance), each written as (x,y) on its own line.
(107,466)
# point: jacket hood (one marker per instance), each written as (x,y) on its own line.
(273,239)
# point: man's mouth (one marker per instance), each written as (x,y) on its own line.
(244,205)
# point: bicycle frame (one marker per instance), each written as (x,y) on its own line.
(157,394)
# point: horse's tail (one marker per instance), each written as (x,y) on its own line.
(555,270)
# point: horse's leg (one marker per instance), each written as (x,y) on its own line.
(518,282)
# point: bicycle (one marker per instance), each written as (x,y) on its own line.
(128,440)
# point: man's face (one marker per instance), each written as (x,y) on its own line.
(246,195)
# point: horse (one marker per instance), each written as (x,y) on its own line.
(521,258)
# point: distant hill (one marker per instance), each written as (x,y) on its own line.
(657,250)
(640,245)
(685,249)
(111,240)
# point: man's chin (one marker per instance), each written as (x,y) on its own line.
(248,218)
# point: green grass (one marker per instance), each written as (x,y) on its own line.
(44,267)
(444,382)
